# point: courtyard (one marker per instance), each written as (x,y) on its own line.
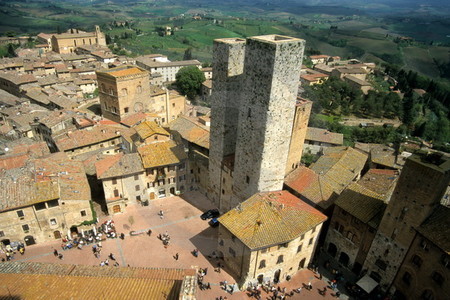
(181,220)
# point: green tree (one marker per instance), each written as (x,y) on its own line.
(11,51)
(189,80)
(188,54)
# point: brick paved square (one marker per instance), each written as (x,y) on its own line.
(187,232)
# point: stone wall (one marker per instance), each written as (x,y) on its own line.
(299,128)
(266,114)
(286,259)
(419,190)
(422,261)
(228,64)
(48,223)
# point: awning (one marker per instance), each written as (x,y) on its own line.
(367,284)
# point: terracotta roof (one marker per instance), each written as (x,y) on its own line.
(119,165)
(324,136)
(69,174)
(92,282)
(379,180)
(318,56)
(191,130)
(362,203)
(148,128)
(436,228)
(384,156)
(161,154)
(13,162)
(329,176)
(271,218)
(82,138)
(133,119)
(123,71)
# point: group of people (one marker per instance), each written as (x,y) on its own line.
(165,238)
(9,251)
(200,276)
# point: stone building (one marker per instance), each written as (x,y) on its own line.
(122,177)
(270,236)
(69,41)
(421,185)
(123,91)
(425,271)
(253,103)
(165,164)
(165,68)
(45,200)
(126,90)
(298,135)
(317,139)
(321,183)
(101,137)
(193,134)
(356,217)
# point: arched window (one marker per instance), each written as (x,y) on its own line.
(427,295)
(139,89)
(124,92)
(262,264)
(280,259)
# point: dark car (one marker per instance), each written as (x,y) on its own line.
(214,222)
(212,213)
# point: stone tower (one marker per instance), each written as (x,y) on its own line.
(228,65)
(422,183)
(123,91)
(266,113)
(299,128)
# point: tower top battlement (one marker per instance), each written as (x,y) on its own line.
(275,38)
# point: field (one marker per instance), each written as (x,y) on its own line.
(354,33)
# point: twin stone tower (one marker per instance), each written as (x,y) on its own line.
(255,87)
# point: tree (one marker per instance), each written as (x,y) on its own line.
(188,54)
(11,51)
(189,80)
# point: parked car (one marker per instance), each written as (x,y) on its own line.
(213,222)
(209,214)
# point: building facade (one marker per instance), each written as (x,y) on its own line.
(263,240)
(123,91)
(421,185)
(68,42)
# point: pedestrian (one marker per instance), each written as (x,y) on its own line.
(60,256)
(309,286)
(176,256)
(320,276)
(149,232)
(195,252)
(116,264)
(205,271)
(122,236)
(107,262)
(208,286)
(161,214)
(111,256)
(55,252)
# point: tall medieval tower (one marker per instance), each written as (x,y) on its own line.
(253,113)
(228,64)
(420,188)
